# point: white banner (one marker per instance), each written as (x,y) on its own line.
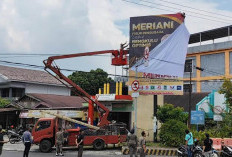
(168,58)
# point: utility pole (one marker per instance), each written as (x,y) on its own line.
(188,68)
(190,97)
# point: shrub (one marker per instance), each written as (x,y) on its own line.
(168,112)
(172,133)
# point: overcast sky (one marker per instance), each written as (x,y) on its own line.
(73,26)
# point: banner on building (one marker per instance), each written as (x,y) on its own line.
(158,47)
(67,113)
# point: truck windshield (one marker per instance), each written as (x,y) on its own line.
(43,125)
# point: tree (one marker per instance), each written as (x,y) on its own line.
(90,81)
(168,112)
(4,102)
(226,89)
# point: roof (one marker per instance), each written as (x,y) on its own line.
(183,100)
(211,34)
(8,109)
(27,75)
(57,101)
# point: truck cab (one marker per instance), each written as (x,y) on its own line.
(44,133)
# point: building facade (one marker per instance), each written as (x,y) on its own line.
(215,61)
(16,82)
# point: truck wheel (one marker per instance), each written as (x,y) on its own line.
(98,144)
(45,146)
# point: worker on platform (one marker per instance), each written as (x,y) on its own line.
(132,143)
(59,142)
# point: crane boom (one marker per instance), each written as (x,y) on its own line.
(119,58)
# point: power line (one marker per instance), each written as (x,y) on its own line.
(70,70)
(181,9)
(195,8)
(172,11)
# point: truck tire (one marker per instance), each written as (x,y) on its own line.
(98,144)
(45,146)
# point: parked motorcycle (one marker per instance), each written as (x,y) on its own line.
(196,152)
(226,151)
(14,137)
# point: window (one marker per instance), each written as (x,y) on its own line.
(5,92)
(43,125)
(186,88)
(18,92)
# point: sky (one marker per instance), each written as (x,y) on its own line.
(75,26)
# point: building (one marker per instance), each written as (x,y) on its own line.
(214,61)
(70,106)
(15,82)
(214,58)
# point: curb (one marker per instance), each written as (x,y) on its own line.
(154,151)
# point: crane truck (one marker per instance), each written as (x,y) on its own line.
(98,136)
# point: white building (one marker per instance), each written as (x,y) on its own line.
(15,82)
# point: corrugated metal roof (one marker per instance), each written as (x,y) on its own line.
(211,34)
(27,75)
(183,100)
(57,101)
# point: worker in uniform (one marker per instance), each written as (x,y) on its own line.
(59,142)
(142,144)
(80,143)
(27,141)
(132,143)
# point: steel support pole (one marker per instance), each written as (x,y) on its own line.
(190,95)
(136,73)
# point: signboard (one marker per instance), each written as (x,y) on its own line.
(155,86)
(217,117)
(198,117)
(147,34)
(105,97)
(67,113)
(149,31)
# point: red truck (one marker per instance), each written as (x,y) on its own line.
(106,132)
(45,129)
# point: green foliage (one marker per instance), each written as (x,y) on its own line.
(168,112)
(90,81)
(226,89)
(172,133)
(4,102)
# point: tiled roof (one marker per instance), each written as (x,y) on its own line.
(27,75)
(57,101)
(183,100)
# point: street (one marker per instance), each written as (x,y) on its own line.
(66,153)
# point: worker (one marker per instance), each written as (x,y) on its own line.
(59,142)
(142,144)
(27,141)
(80,143)
(132,143)
(1,141)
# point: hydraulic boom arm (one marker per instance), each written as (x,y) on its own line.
(119,58)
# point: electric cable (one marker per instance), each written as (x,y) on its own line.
(182,10)
(173,11)
(169,2)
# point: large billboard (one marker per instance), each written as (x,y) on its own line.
(158,46)
(149,31)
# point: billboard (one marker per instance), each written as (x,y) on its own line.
(149,31)
(158,46)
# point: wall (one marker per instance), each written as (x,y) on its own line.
(216,61)
(47,89)
(145,109)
